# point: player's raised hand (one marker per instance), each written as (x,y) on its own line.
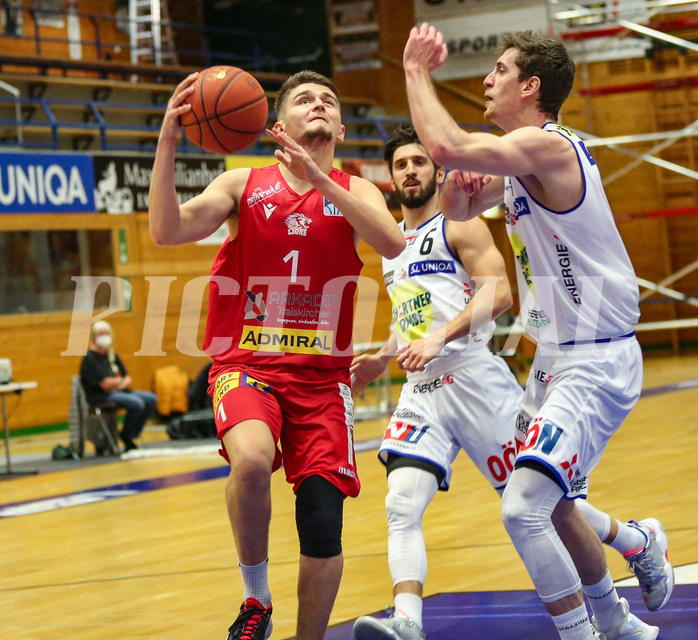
(468,182)
(460,194)
(176,106)
(294,157)
(425,48)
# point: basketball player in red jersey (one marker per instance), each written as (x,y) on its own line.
(279,330)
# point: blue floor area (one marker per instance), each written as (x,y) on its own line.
(519,615)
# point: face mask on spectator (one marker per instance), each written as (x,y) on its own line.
(103,341)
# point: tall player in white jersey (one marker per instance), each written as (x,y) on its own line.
(445,288)
(579,299)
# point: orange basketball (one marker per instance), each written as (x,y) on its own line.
(228,110)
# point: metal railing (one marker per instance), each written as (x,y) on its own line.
(365,134)
(18,109)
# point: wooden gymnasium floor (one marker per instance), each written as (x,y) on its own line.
(141,548)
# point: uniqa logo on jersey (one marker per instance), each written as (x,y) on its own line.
(413,313)
(521,208)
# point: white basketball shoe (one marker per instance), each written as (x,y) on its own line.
(651,565)
(396,627)
(625,626)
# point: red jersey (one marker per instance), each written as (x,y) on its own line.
(283,291)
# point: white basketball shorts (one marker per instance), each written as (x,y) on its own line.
(467,402)
(574,402)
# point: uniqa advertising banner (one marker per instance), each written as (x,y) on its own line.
(46,183)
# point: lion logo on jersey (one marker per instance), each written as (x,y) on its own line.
(297,224)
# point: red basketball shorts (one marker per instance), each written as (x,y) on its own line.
(310,413)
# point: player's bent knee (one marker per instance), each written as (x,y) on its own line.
(528,503)
(513,510)
(401,509)
(319,514)
(254,467)
(251,472)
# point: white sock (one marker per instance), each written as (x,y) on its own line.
(256,585)
(629,540)
(410,605)
(574,625)
(603,598)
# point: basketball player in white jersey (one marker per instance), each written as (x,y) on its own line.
(579,301)
(445,288)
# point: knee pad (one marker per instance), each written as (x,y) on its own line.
(514,511)
(410,491)
(527,507)
(401,510)
(319,513)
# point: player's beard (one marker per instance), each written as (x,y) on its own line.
(415,200)
(318,134)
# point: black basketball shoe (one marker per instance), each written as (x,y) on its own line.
(253,622)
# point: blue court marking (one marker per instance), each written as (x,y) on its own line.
(100,494)
(91,496)
(667,388)
(502,615)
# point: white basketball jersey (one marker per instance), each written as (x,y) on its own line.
(576,282)
(428,286)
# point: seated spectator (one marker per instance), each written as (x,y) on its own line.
(105,379)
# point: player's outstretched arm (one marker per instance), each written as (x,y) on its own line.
(171,223)
(425,51)
(365,209)
(363,205)
(447,144)
(526,151)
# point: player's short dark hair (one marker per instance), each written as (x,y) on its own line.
(403,135)
(297,79)
(546,59)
